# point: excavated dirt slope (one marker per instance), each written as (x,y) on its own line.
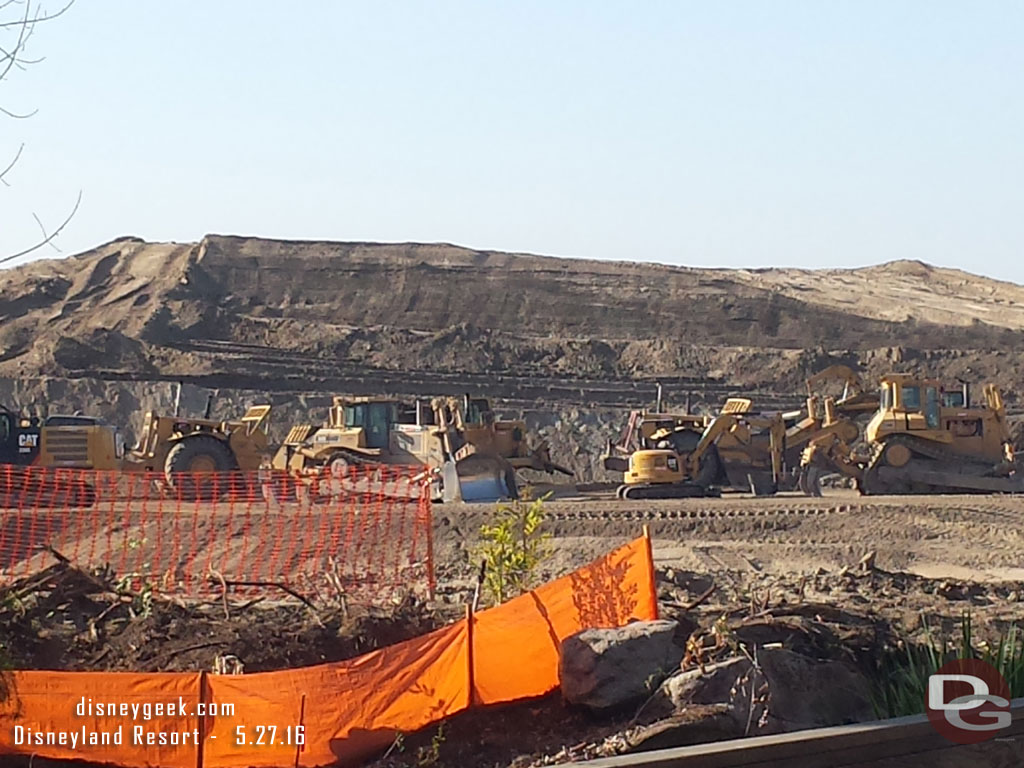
(575,340)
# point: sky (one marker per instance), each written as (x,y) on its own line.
(720,134)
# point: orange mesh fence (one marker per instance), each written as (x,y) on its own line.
(347,711)
(368,529)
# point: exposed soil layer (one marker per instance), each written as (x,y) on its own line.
(278,315)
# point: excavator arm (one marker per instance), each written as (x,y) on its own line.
(722,423)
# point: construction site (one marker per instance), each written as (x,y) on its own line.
(232,460)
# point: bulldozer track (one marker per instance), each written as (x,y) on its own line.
(704,513)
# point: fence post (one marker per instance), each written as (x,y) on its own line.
(472,698)
(652,579)
(203,699)
(427,508)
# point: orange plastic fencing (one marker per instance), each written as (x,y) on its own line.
(368,529)
(346,711)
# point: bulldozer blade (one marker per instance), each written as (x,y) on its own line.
(478,479)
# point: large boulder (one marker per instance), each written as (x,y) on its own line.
(787,691)
(605,668)
(804,693)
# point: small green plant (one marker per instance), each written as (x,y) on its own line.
(431,755)
(142,598)
(513,547)
(903,677)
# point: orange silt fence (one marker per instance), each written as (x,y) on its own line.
(516,644)
(345,712)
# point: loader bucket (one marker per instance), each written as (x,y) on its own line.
(478,478)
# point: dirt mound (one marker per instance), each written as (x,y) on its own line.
(295,321)
(443,307)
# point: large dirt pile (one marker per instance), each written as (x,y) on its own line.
(571,342)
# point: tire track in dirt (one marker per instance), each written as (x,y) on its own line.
(955,535)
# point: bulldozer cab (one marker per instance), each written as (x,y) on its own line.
(374,419)
(907,404)
(477,411)
(379,429)
(922,408)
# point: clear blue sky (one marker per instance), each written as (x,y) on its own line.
(712,134)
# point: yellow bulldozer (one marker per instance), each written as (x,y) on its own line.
(466,452)
(925,438)
(756,451)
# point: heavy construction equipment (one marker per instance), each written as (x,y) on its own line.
(80,442)
(742,442)
(61,442)
(830,424)
(922,445)
(639,431)
(926,439)
(684,462)
(747,449)
(480,426)
(184,449)
(467,453)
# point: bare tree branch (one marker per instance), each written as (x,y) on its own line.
(38,18)
(10,165)
(48,239)
(11,57)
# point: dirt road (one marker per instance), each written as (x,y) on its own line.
(976,538)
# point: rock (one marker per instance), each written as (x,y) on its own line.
(604,668)
(713,686)
(797,692)
(810,694)
(867,563)
(697,725)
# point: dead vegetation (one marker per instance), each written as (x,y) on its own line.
(65,617)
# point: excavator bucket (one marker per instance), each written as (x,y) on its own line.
(479,478)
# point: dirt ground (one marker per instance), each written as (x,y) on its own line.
(976,538)
(876,572)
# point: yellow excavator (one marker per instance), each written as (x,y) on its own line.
(924,438)
(685,463)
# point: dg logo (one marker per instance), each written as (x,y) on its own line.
(968,701)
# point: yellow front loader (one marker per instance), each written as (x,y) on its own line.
(188,451)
